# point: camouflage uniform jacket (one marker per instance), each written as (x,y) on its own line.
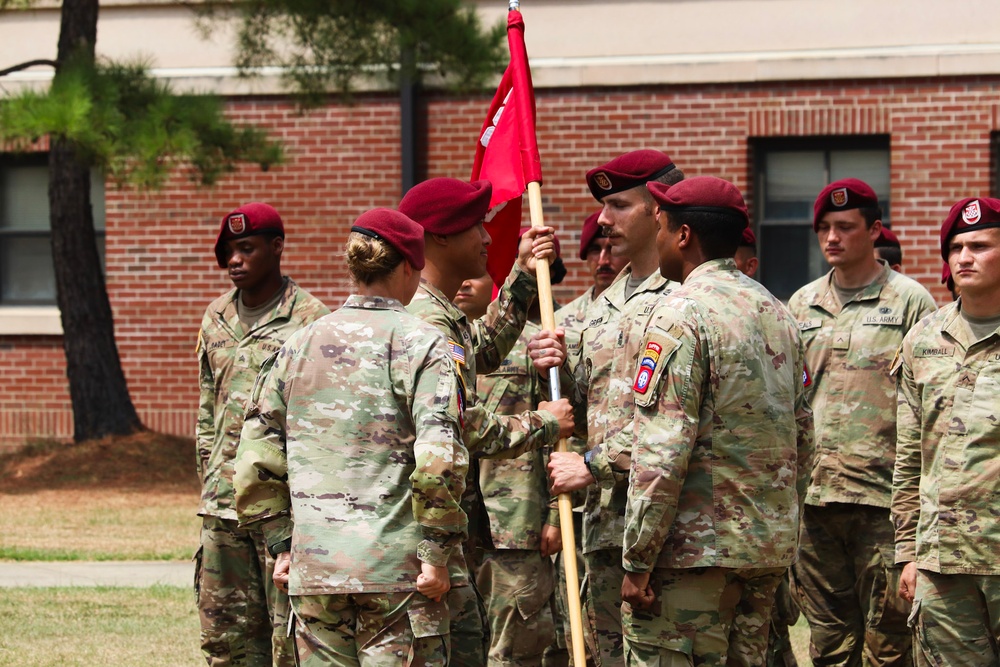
(947,477)
(230,360)
(573,318)
(480,348)
(849,349)
(723,433)
(353,438)
(515,491)
(602,385)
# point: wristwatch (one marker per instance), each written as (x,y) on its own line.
(280,547)
(587,458)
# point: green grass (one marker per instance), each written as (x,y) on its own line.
(69,627)
(100,524)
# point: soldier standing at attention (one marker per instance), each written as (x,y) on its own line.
(947,477)
(628,221)
(515,577)
(722,449)
(451,213)
(853,320)
(239,607)
(604,267)
(351,462)
(237,601)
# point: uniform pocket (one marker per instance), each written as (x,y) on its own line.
(427,617)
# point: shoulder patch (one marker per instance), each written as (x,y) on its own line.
(457,351)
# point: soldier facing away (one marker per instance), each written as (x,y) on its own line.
(947,476)
(853,320)
(722,445)
(237,601)
(352,464)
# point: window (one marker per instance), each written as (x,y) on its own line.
(789,176)
(27,276)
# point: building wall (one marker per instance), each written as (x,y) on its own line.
(343,160)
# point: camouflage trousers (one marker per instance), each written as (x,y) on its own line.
(244,618)
(371,629)
(711,617)
(784,613)
(604,605)
(847,585)
(517,587)
(956,620)
(469,633)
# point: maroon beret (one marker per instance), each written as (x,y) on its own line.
(886,239)
(749,238)
(395,229)
(967,215)
(447,205)
(842,195)
(628,171)
(591,231)
(706,194)
(248,220)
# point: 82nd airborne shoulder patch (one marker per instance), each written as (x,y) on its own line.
(650,358)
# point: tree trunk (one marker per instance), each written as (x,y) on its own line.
(98,392)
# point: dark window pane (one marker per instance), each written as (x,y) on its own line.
(789,258)
(26,272)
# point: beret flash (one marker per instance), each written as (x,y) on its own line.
(843,195)
(248,220)
(628,171)
(967,215)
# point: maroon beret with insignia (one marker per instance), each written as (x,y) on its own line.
(447,205)
(706,194)
(591,231)
(395,229)
(968,215)
(248,220)
(749,238)
(842,195)
(886,239)
(628,171)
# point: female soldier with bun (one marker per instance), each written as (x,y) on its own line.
(352,463)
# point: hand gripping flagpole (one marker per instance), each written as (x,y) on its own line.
(547,307)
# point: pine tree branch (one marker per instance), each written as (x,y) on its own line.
(31,63)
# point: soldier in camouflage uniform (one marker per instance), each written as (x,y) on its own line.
(853,320)
(352,464)
(515,577)
(947,476)
(237,602)
(601,390)
(722,445)
(785,611)
(604,267)
(452,213)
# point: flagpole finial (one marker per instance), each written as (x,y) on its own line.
(513,5)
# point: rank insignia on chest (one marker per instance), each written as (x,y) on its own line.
(650,358)
(457,352)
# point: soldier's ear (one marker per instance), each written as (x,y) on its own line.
(278,245)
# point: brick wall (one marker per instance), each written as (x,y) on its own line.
(343,160)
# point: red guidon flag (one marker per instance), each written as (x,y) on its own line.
(507,154)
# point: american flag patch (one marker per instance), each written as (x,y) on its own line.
(457,352)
